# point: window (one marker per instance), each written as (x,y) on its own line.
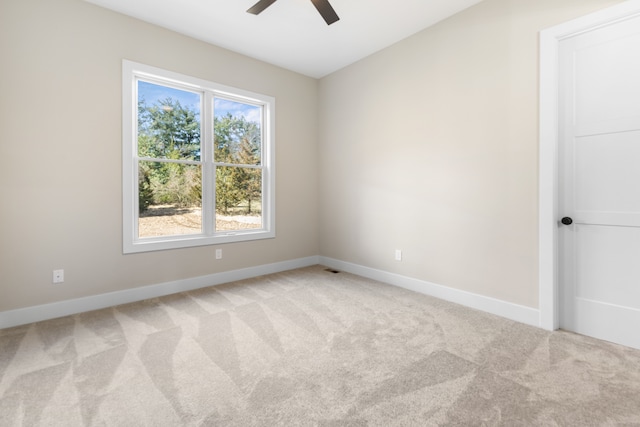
(197,162)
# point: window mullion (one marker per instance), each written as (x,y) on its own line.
(208,170)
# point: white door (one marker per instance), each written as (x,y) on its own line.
(599,164)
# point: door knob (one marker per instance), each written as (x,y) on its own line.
(566,220)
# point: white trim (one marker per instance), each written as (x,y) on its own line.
(54,310)
(131,72)
(498,307)
(548,146)
(38,313)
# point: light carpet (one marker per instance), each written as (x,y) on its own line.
(309,348)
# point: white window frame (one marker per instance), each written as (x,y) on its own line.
(131,71)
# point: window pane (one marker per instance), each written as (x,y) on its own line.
(237,129)
(168,122)
(169,198)
(238,198)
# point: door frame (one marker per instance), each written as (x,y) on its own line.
(548,165)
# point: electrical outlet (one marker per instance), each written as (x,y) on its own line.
(398,255)
(58,276)
(218,253)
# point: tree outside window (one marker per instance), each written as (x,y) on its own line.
(201,162)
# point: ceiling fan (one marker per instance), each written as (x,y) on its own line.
(330,16)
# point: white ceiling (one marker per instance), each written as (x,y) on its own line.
(291,33)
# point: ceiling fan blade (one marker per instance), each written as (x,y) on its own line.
(260,6)
(330,16)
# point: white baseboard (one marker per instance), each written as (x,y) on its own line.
(519,313)
(38,313)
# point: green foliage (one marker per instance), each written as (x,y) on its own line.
(249,180)
(178,185)
(228,194)
(169,131)
(145,193)
(237,142)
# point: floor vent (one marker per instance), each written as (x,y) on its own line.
(331,270)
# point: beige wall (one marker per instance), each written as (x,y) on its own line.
(430,146)
(60,148)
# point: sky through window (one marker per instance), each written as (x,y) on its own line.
(153,94)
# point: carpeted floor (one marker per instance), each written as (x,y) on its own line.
(309,348)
